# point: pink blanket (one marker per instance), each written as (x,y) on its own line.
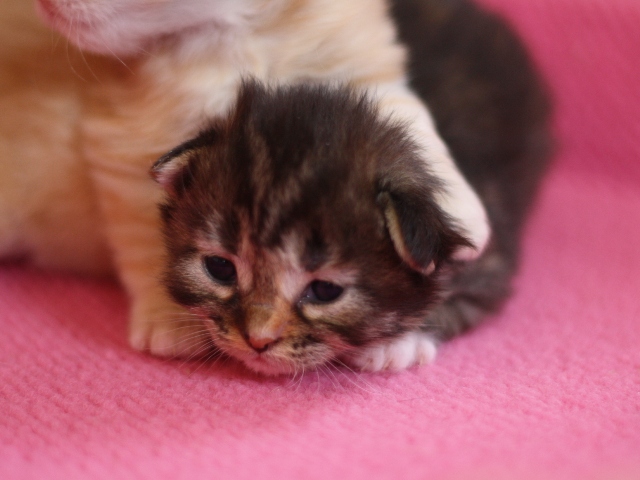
(550,388)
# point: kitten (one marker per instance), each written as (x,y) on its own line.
(304,227)
(164,68)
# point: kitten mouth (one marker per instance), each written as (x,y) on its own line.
(52,16)
(268,367)
(82,32)
(264,363)
(47,11)
(257,362)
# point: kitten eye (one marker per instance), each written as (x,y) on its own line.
(321,291)
(220,269)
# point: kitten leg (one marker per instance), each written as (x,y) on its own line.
(129,204)
(475,290)
(156,323)
(10,241)
(48,212)
(167,331)
(412,348)
(456,198)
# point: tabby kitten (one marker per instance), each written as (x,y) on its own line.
(304,227)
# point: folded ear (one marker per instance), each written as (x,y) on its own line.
(421,233)
(168,168)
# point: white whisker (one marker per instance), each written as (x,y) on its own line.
(331,377)
(371,389)
(301,378)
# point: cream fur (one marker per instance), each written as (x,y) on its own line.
(82,131)
(412,348)
(47,205)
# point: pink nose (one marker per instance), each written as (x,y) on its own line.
(261,344)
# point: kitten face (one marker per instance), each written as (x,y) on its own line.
(302,228)
(128,27)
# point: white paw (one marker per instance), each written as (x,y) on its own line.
(413,348)
(457,198)
(169,333)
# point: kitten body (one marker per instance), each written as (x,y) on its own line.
(492,109)
(300,188)
(48,209)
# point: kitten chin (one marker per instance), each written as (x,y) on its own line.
(303,228)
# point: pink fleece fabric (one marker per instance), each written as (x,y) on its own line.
(549,388)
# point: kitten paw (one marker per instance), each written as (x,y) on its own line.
(169,335)
(413,348)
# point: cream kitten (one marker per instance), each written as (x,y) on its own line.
(83,146)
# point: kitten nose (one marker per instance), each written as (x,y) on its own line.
(265,326)
(260,343)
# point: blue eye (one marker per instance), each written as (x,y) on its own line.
(324,292)
(220,269)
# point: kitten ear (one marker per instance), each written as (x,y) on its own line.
(167,168)
(421,233)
